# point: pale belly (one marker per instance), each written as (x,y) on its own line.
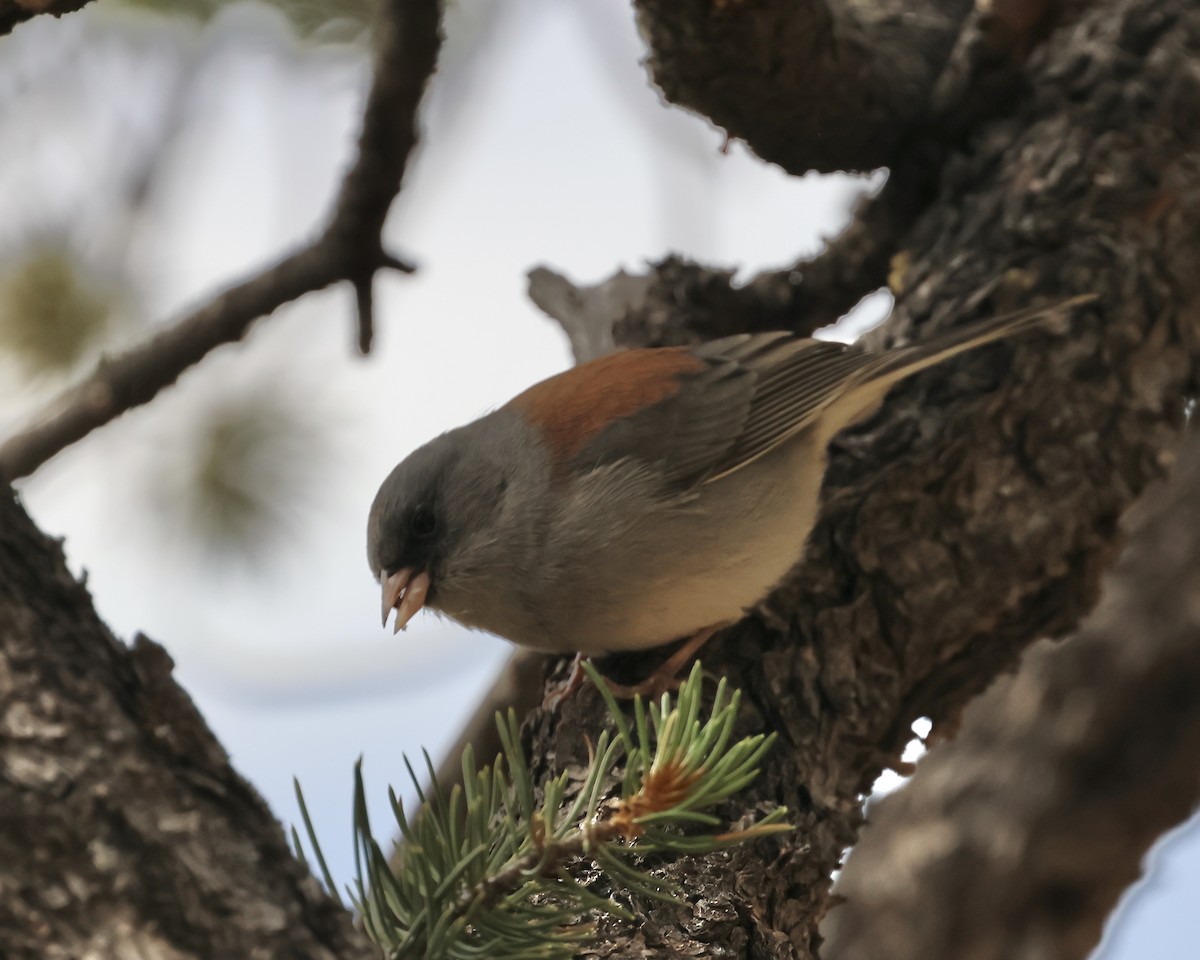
(682,569)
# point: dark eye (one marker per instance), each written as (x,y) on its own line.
(422,523)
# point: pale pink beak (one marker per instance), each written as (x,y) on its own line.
(405,593)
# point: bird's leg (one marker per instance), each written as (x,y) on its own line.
(666,677)
(563,690)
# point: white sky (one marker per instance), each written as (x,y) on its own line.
(544,145)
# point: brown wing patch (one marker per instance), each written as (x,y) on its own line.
(574,406)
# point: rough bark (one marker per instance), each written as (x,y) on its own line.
(808,84)
(976,512)
(971,516)
(1026,828)
(123,829)
(837,85)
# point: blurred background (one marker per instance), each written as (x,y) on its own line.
(148,157)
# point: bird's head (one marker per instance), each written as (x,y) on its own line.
(442,519)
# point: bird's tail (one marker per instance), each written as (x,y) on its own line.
(906,361)
(890,367)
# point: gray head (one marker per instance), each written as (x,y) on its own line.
(444,518)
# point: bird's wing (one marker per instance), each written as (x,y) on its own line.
(741,397)
(703,413)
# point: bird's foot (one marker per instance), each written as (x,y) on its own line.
(666,678)
(556,694)
(663,680)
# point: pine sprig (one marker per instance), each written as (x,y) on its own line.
(488,872)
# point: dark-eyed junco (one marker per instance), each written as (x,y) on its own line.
(641,498)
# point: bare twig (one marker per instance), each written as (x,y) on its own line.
(1026,829)
(350,248)
(408,48)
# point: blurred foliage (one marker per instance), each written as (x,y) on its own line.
(330,21)
(53,307)
(249,466)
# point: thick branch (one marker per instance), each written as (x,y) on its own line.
(1015,841)
(812,85)
(14,12)
(977,510)
(145,842)
(350,249)
(677,301)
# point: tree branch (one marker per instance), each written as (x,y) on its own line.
(677,301)
(681,302)
(971,515)
(813,85)
(977,510)
(123,829)
(14,12)
(350,248)
(1015,840)
(840,84)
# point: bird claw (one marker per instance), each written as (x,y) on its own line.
(663,680)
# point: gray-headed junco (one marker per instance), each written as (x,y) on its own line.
(641,498)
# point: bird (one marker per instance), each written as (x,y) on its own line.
(641,498)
